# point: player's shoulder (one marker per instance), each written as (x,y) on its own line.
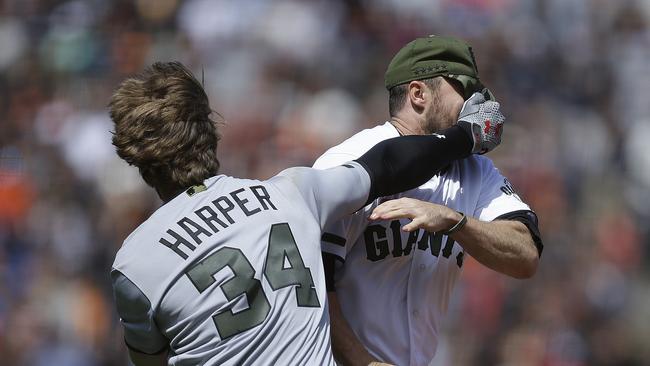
(363,140)
(138,244)
(356,145)
(290,176)
(304,178)
(482,160)
(135,245)
(293,180)
(140,232)
(141,255)
(472,171)
(477,164)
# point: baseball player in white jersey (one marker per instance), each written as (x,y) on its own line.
(391,266)
(228,271)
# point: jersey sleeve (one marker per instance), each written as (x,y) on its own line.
(331,193)
(141,333)
(339,235)
(497,196)
(499,201)
(333,159)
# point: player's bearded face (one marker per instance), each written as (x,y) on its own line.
(444,109)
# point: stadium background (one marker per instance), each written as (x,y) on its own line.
(293,78)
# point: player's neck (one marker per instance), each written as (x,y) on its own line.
(405,128)
(167,195)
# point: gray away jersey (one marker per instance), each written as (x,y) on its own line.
(230,273)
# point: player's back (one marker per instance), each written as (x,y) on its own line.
(227,273)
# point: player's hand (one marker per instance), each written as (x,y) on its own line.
(424,215)
(483,121)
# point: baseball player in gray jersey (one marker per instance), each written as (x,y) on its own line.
(390,278)
(228,271)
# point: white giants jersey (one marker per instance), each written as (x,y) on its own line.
(230,272)
(394,286)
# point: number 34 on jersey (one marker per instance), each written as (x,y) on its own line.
(283,267)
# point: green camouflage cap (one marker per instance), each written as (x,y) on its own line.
(431,56)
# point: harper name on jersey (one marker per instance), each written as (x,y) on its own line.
(211,220)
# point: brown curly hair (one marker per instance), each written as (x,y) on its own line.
(163,126)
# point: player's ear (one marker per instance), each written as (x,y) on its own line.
(417,94)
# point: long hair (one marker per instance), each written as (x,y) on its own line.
(163,126)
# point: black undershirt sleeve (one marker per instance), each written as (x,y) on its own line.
(528,218)
(329,263)
(402,163)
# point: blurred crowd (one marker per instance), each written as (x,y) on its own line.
(294,77)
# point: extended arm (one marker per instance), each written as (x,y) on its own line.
(398,164)
(506,246)
(402,163)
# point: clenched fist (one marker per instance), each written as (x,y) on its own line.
(483,121)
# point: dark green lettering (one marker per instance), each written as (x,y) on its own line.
(224,209)
(263,196)
(449,245)
(376,243)
(410,242)
(193,229)
(175,245)
(229,323)
(423,243)
(282,245)
(395,226)
(241,202)
(208,215)
(435,240)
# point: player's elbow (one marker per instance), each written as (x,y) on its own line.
(527,265)
(527,269)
